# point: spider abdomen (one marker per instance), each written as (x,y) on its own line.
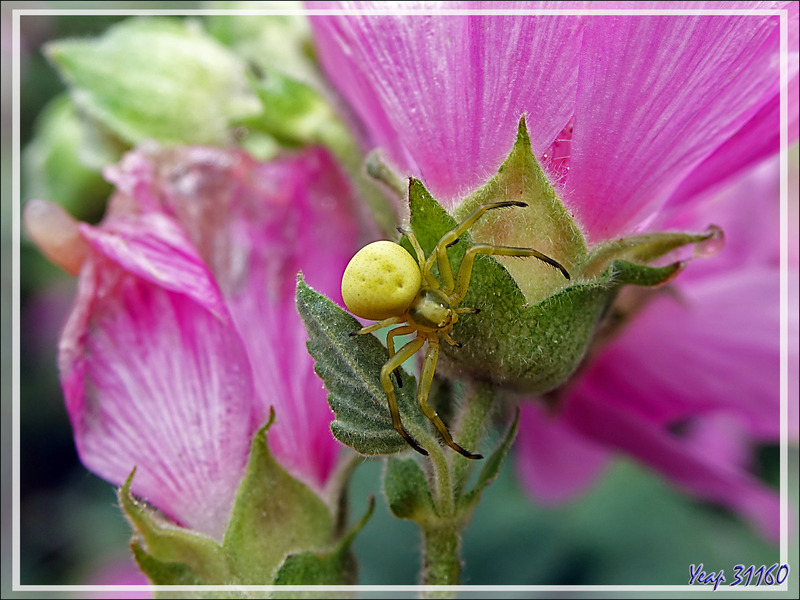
(380,281)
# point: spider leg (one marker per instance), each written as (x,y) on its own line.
(424,388)
(465,270)
(426,274)
(379,325)
(478,213)
(450,340)
(451,237)
(393,363)
(390,346)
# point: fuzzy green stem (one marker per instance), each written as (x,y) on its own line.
(441,561)
(442,537)
(469,432)
(440,477)
(444,497)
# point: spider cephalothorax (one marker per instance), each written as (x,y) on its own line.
(385,283)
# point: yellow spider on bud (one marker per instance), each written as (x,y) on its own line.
(383,282)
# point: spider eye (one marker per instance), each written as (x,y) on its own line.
(381,281)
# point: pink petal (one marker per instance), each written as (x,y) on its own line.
(758,138)
(656,96)
(257,225)
(708,475)
(714,347)
(554,461)
(154,248)
(442,95)
(154,377)
(748,214)
(310,228)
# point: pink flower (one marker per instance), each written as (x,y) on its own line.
(626,112)
(185,333)
(636,119)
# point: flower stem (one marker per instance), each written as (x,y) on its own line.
(469,432)
(443,487)
(441,562)
(442,536)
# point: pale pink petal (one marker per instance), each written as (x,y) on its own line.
(656,96)
(257,225)
(554,461)
(154,248)
(748,213)
(713,346)
(757,139)
(708,475)
(720,439)
(154,377)
(306,224)
(442,95)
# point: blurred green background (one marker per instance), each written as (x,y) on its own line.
(633,528)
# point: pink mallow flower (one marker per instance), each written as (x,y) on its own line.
(636,119)
(184,332)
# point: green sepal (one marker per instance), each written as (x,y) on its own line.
(293,112)
(164,573)
(167,543)
(274,515)
(157,78)
(53,165)
(406,489)
(491,468)
(267,41)
(167,573)
(350,366)
(337,567)
(532,348)
(545,224)
(640,249)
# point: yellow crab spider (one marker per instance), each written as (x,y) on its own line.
(383,282)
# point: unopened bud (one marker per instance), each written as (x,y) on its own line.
(56,234)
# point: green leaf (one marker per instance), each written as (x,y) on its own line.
(350,366)
(157,78)
(491,468)
(167,543)
(406,489)
(430,222)
(274,515)
(337,567)
(545,224)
